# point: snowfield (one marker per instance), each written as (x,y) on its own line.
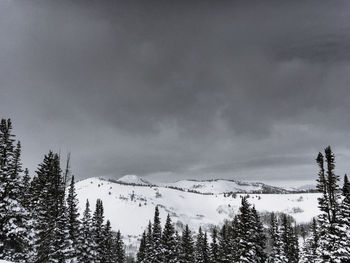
(130,207)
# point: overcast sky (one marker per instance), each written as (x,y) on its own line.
(248,90)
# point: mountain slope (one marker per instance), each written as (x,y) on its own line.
(225,186)
(130,207)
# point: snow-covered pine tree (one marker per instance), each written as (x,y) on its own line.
(119,255)
(259,238)
(107,246)
(187,247)
(199,256)
(205,248)
(157,238)
(234,239)
(246,233)
(225,249)
(149,244)
(309,250)
(214,247)
(169,242)
(73,218)
(14,229)
(62,248)
(277,253)
(346,186)
(178,246)
(87,245)
(97,223)
(50,212)
(331,232)
(26,197)
(289,240)
(345,221)
(140,257)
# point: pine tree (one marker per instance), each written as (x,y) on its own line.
(277,253)
(140,257)
(205,249)
(157,238)
(246,246)
(14,229)
(199,257)
(259,237)
(119,248)
(87,245)
(234,239)
(187,248)
(331,232)
(107,246)
(345,222)
(50,212)
(26,195)
(309,252)
(149,244)
(214,247)
(169,242)
(224,254)
(97,223)
(73,217)
(346,186)
(289,241)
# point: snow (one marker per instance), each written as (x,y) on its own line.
(133,179)
(4,261)
(216,186)
(130,207)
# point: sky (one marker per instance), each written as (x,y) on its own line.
(246,90)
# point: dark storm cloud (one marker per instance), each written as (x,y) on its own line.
(225,88)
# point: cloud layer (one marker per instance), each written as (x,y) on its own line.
(178,88)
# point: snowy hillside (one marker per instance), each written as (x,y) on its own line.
(225,186)
(130,207)
(133,179)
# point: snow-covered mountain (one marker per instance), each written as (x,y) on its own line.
(129,203)
(133,179)
(219,186)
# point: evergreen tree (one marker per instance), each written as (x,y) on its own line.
(246,246)
(119,248)
(234,239)
(107,246)
(73,217)
(345,223)
(224,245)
(169,242)
(259,237)
(346,186)
(140,257)
(87,245)
(49,210)
(14,229)
(97,223)
(26,195)
(149,244)
(187,248)
(214,247)
(277,253)
(199,256)
(205,249)
(309,253)
(289,241)
(157,238)
(331,232)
